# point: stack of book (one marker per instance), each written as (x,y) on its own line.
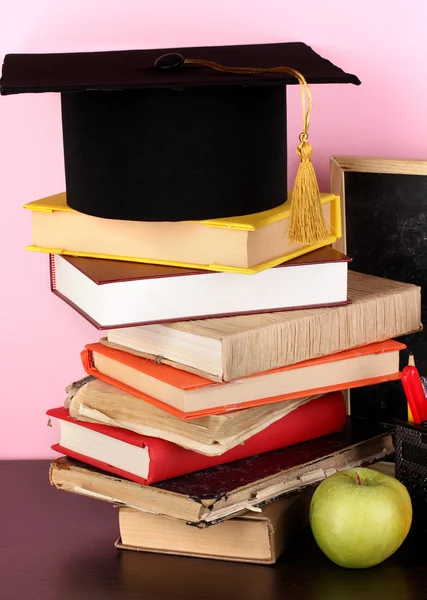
(217,388)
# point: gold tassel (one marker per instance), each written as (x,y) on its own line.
(307,224)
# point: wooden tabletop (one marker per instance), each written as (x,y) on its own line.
(58,546)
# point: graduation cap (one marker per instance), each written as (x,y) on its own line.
(184,133)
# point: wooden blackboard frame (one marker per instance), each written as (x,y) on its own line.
(340,165)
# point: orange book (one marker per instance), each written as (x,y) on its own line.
(188,395)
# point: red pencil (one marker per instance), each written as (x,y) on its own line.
(414,393)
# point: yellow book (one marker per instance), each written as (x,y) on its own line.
(246,244)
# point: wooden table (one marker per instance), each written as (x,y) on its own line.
(58,546)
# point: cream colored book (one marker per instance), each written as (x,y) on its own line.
(99,402)
(245,244)
(227,348)
(187,395)
(256,537)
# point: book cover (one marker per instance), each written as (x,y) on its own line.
(58,202)
(103,272)
(168,460)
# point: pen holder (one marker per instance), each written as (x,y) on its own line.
(410,442)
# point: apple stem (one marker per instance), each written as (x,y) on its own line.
(358,480)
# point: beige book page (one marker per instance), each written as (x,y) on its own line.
(185,242)
(381,309)
(98,402)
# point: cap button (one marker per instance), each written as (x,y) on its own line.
(169,61)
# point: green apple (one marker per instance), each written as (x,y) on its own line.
(360,517)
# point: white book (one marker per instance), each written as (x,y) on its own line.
(118,294)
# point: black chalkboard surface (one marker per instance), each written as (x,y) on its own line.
(384,203)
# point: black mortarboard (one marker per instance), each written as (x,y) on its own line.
(185,142)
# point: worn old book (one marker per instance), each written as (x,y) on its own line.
(217,493)
(146,459)
(99,402)
(112,293)
(188,395)
(227,348)
(255,537)
(244,244)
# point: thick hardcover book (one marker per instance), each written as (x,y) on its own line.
(246,244)
(227,348)
(255,537)
(112,293)
(188,395)
(148,460)
(212,495)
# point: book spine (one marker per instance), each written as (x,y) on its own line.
(87,361)
(52,272)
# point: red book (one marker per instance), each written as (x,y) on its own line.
(147,460)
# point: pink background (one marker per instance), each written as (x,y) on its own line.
(384,42)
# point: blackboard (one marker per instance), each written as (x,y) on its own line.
(385,233)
